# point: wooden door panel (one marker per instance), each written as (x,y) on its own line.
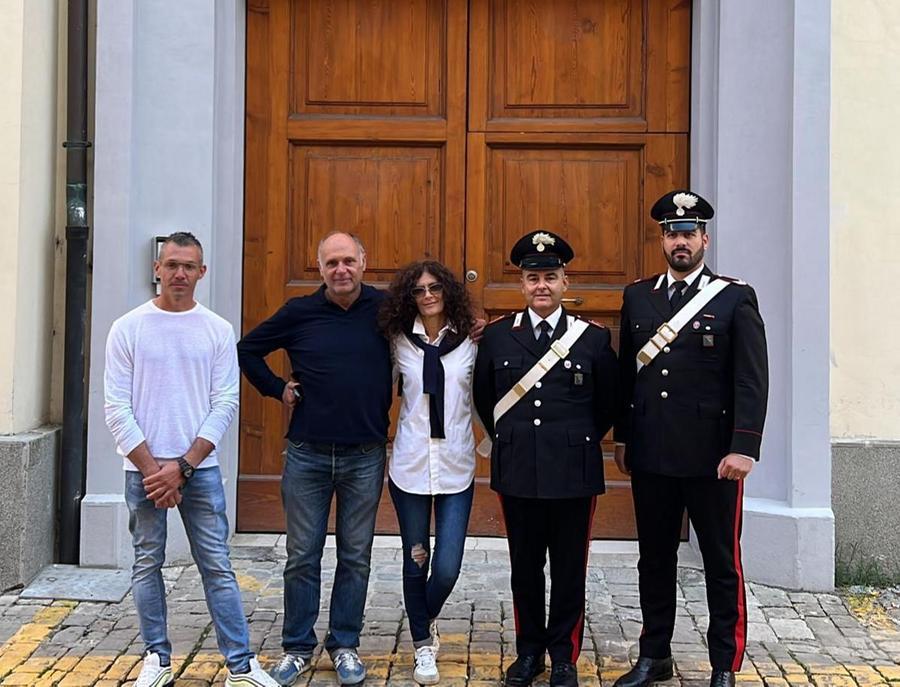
(389,196)
(447,129)
(355,120)
(369,58)
(580,65)
(595,190)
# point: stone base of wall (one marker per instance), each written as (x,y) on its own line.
(28,466)
(865,483)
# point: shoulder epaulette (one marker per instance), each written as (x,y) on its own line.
(589,321)
(733,280)
(500,318)
(653,278)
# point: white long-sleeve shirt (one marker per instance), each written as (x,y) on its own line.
(420,464)
(170,378)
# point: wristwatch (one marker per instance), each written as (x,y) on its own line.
(187,470)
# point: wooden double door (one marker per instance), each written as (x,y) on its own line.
(447,129)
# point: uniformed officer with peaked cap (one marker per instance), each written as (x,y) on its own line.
(546,423)
(692,356)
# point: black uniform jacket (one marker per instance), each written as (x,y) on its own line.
(702,397)
(548,444)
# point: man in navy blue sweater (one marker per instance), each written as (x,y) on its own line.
(336,446)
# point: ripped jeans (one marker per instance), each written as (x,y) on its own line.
(424,594)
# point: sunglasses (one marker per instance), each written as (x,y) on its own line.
(432,289)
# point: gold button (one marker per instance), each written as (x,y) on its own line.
(665,394)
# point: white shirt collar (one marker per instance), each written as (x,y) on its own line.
(419,328)
(689,279)
(552,318)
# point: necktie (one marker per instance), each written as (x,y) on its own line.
(680,286)
(544,337)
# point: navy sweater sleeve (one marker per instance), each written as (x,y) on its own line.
(269,336)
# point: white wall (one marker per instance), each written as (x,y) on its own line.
(28,139)
(759,138)
(169,141)
(865,220)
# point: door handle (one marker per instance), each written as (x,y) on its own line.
(578,300)
(471,276)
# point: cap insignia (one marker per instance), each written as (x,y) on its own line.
(684,201)
(542,240)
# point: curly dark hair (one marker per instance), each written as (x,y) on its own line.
(399,310)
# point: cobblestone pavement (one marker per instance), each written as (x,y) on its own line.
(794,638)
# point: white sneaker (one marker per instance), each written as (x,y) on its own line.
(154,675)
(435,635)
(426,672)
(257,677)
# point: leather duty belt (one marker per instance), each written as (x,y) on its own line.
(668,331)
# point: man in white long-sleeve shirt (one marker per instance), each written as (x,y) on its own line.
(172,385)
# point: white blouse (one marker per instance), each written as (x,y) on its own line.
(420,464)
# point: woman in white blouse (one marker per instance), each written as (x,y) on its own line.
(427,317)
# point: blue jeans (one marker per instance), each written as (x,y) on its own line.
(313,473)
(423,594)
(202,511)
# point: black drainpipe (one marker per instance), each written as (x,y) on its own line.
(72,471)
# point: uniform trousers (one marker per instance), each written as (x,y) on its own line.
(714,508)
(561,527)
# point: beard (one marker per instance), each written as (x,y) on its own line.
(685,262)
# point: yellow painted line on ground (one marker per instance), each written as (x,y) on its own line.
(19,648)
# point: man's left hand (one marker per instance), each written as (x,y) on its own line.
(734,466)
(162,485)
(477,330)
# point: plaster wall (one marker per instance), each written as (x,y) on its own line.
(28,137)
(169,123)
(865,206)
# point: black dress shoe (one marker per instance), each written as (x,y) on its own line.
(563,674)
(523,670)
(721,678)
(645,671)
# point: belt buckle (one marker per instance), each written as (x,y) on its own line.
(666,332)
(644,357)
(559,349)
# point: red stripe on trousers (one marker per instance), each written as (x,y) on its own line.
(503,515)
(578,630)
(740,629)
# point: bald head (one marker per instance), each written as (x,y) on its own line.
(342,261)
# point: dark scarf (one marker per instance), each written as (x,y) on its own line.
(433,376)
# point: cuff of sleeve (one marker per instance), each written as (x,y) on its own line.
(746,442)
(211,436)
(131,442)
(276,390)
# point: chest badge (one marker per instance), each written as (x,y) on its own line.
(709,340)
(579,379)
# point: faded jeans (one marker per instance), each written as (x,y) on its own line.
(313,474)
(202,511)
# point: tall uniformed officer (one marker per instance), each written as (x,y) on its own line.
(689,432)
(546,461)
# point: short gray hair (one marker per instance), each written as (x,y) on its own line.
(182,238)
(338,232)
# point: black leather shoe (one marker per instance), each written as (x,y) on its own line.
(563,674)
(645,671)
(523,670)
(721,678)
